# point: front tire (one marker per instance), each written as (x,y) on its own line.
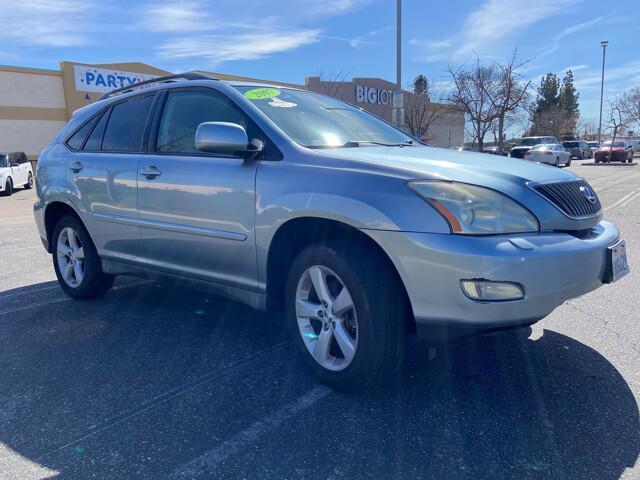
(343,311)
(8,188)
(568,164)
(76,261)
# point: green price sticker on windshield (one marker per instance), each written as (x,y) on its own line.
(261,93)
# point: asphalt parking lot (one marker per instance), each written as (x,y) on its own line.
(157,381)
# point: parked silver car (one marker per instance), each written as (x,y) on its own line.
(279,197)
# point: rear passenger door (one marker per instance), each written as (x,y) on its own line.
(197,209)
(104,175)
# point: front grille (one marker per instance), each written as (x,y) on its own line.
(518,153)
(570,198)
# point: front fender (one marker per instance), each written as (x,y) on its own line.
(360,199)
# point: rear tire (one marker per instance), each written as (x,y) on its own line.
(76,261)
(8,188)
(374,320)
(29,184)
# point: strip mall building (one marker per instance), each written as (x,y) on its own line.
(35,103)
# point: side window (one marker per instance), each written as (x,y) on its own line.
(94,142)
(77,139)
(184,111)
(126,125)
(4,161)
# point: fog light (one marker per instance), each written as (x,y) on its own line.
(489,291)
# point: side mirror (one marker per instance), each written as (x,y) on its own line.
(222,137)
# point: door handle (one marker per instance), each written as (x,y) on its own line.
(75,167)
(151,172)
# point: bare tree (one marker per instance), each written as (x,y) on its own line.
(618,121)
(587,129)
(509,96)
(420,112)
(629,104)
(331,82)
(472,92)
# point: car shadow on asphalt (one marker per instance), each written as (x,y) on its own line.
(497,407)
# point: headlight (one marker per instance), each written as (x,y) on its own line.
(473,210)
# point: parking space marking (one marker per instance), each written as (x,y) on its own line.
(64,299)
(26,291)
(629,196)
(200,466)
(629,200)
(166,396)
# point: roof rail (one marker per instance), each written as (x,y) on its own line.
(194,75)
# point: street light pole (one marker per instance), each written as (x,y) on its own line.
(397,112)
(604,45)
(399,45)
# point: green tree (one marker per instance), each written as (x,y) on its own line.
(420,85)
(569,102)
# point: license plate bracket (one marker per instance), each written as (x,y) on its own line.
(617,265)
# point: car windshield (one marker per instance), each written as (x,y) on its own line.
(3,160)
(570,144)
(592,144)
(615,144)
(541,146)
(527,142)
(317,121)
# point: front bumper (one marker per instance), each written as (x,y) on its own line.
(552,268)
(615,156)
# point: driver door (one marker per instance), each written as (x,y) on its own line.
(197,209)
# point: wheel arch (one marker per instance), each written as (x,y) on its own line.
(298,233)
(52,214)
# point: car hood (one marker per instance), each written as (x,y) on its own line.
(513,177)
(470,167)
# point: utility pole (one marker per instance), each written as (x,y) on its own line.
(604,44)
(399,45)
(398,98)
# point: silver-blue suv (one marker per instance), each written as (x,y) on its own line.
(282,198)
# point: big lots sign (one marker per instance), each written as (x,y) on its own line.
(379,96)
(91,79)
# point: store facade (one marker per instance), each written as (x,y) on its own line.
(35,103)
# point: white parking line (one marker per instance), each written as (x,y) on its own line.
(628,196)
(167,396)
(64,299)
(629,200)
(26,291)
(201,465)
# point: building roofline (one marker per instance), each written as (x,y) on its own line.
(36,71)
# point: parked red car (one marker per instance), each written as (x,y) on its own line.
(620,151)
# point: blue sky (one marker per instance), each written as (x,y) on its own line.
(288,40)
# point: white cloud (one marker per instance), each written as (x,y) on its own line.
(497,19)
(617,78)
(216,49)
(183,16)
(555,42)
(53,23)
(575,68)
(484,29)
(331,7)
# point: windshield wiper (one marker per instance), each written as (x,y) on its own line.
(358,143)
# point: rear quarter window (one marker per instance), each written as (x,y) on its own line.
(126,125)
(76,140)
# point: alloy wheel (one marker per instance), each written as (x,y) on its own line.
(326,318)
(70,257)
